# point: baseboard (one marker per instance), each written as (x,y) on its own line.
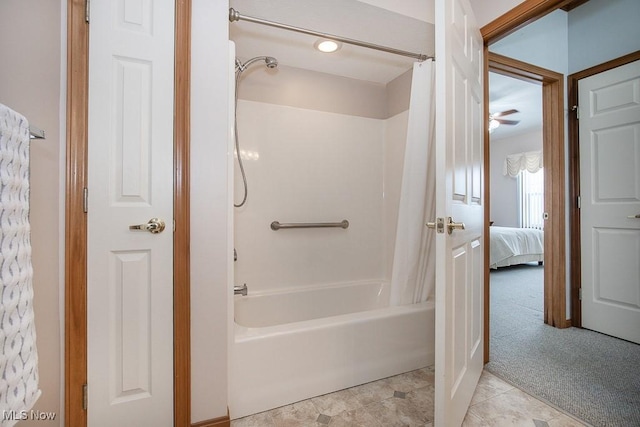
(568,323)
(215,422)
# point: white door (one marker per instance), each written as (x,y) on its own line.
(610,201)
(459,174)
(130,175)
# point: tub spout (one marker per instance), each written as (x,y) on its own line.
(240,290)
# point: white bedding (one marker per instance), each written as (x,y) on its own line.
(510,246)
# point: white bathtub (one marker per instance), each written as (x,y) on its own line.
(290,346)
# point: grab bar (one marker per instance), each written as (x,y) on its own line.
(276,225)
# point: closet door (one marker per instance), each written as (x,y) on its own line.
(610,201)
(130,175)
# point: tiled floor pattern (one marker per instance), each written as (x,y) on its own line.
(407,400)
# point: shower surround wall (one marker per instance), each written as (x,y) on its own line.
(309,165)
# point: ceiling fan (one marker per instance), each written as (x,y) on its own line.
(495,119)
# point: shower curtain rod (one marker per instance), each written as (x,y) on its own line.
(234,15)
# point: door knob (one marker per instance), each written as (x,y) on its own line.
(154,226)
(454,225)
(634,216)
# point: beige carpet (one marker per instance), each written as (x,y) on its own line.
(592,376)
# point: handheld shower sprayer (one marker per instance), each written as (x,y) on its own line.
(271,63)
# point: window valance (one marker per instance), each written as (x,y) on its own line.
(514,163)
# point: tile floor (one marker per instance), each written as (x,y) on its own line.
(407,400)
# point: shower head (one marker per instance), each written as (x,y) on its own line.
(270,62)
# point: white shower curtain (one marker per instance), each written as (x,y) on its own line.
(413,272)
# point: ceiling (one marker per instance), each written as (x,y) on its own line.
(347,18)
(506,93)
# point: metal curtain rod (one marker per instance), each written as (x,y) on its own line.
(234,15)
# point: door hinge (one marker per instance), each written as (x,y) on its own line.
(85,397)
(580,294)
(87,9)
(85,200)
(579,202)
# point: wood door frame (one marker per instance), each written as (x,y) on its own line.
(75,345)
(553,136)
(574,177)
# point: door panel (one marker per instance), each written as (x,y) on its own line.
(130,175)
(610,192)
(459,174)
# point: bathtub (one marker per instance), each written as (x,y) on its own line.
(294,345)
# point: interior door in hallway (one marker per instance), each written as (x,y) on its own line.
(459,199)
(130,175)
(609,122)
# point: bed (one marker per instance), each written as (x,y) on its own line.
(511,246)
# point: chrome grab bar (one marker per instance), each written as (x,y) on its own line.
(276,225)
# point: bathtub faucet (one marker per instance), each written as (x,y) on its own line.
(240,290)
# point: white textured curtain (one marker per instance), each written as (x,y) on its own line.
(514,163)
(413,272)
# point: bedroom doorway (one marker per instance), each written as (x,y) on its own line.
(516,208)
(549,85)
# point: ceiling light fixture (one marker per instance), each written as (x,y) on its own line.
(493,125)
(327,46)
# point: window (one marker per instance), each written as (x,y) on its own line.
(531,195)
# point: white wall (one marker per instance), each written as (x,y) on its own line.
(308,166)
(32,83)
(504,189)
(210,255)
(488,10)
(419,9)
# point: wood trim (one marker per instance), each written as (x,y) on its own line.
(574,212)
(215,422)
(75,347)
(574,177)
(553,158)
(518,17)
(555,226)
(573,4)
(181,215)
(76,221)
(521,70)
(487,208)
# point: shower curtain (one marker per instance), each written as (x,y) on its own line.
(413,271)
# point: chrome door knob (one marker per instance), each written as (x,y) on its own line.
(154,226)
